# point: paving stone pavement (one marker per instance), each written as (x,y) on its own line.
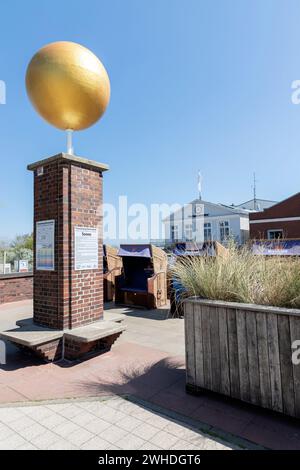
(147,363)
(98,424)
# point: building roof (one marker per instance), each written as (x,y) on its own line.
(289,207)
(261,204)
(215,208)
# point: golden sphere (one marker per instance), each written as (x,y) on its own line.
(68,85)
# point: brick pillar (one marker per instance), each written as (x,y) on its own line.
(68,191)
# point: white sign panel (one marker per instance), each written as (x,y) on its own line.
(86,248)
(45,245)
(23,266)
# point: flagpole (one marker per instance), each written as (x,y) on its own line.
(199,185)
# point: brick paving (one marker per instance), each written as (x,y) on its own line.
(146,363)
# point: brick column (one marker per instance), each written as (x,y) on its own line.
(68,190)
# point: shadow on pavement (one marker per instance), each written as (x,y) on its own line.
(157,314)
(142,381)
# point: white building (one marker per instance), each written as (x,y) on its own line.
(256,205)
(202,220)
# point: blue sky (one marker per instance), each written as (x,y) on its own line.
(196,84)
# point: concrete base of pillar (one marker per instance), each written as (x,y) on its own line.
(54,345)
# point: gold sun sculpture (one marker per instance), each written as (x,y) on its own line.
(68,85)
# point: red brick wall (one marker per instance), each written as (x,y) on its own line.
(290,229)
(71,194)
(288,208)
(14,287)
(86,211)
(47,194)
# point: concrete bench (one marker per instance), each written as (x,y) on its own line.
(53,345)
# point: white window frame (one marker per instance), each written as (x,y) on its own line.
(207,228)
(188,229)
(174,230)
(274,230)
(224,225)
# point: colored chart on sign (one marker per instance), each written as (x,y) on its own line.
(45,245)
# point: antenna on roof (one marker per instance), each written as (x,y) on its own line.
(199,185)
(254,192)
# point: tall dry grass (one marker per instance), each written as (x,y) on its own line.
(241,276)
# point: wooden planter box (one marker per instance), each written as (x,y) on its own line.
(243,351)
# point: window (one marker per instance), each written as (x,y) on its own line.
(224,230)
(188,231)
(207,231)
(275,234)
(174,232)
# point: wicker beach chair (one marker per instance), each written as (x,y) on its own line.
(112,267)
(143,281)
